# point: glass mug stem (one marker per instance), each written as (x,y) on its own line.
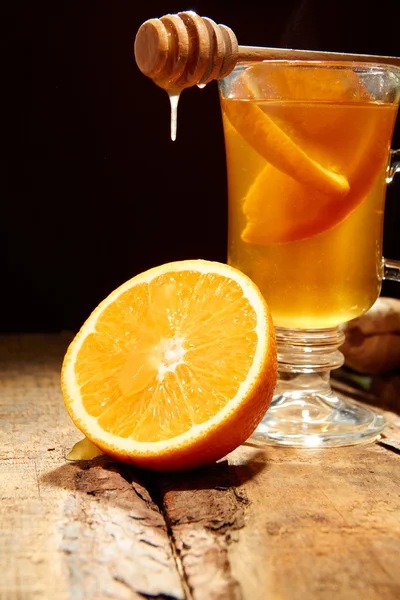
(305,411)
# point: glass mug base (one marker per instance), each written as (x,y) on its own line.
(305,412)
(311,421)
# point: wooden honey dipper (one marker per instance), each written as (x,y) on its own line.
(183,50)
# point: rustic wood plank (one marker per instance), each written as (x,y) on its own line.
(267,522)
(320,524)
(69,530)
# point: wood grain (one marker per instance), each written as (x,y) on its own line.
(69,530)
(205,512)
(320,524)
(266,522)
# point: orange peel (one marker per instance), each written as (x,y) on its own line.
(175,368)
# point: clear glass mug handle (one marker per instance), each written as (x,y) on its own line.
(391,268)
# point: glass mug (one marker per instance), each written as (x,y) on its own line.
(308,161)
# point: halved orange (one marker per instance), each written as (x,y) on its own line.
(175,368)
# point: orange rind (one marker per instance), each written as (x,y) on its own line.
(175,368)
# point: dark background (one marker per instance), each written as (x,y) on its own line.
(92,189)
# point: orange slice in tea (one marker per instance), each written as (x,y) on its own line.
(175,368)
(325,113)
(265,136)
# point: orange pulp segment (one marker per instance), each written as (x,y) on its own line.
(327,113)
(175,368)
(264,133)
(272,143)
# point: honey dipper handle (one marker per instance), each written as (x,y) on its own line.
(257,53)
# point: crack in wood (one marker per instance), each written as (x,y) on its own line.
(203,510)
(142,594)
(148,542)
(112,534)
(158,597)
(392,445)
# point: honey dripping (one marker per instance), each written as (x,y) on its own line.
(184,50)
(173,100)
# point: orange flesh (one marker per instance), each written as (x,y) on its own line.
(279,209)
(145,374)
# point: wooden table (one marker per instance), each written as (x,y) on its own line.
(267,522)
